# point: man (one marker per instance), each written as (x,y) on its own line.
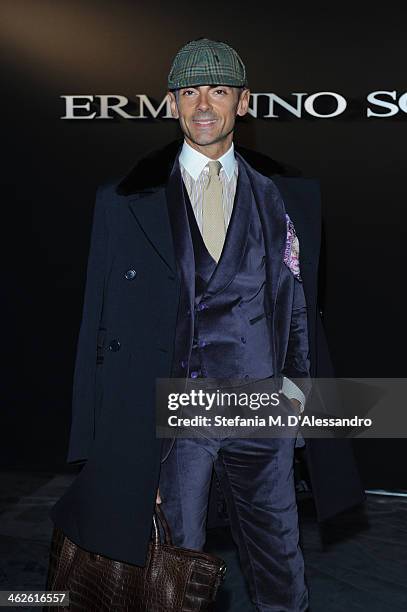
(222,250)
(156,283)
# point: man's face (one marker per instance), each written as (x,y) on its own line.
(207,113)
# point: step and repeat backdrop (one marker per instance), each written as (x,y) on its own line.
(84,96)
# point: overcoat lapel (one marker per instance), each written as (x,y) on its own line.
(181,234)
(152,215)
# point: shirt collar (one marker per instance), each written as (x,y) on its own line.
(194,161)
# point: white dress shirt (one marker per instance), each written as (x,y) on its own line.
(195,174)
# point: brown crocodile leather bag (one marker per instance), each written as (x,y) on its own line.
(173,579)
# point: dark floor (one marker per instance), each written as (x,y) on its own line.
(356,563)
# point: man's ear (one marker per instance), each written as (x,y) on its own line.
(173,104)
(243,104)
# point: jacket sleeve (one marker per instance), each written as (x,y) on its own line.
(297,361)
(83,393)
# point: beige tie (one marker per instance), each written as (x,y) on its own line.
(213,220)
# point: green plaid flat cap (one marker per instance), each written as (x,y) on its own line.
(206,62)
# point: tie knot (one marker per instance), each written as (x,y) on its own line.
(214,168)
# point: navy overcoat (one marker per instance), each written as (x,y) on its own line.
(126,340)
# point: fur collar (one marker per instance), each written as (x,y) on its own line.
(152,171)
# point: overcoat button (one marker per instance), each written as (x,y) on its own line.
(114,345)
(130,274)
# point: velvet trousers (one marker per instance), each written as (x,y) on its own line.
(257,479)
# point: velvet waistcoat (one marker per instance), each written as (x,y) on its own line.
(223,324)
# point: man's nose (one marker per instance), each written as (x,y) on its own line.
(203,102)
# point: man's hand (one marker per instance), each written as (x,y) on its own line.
(158,498)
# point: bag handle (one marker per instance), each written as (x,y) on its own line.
(159,516)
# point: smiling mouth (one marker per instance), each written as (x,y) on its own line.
(204,122)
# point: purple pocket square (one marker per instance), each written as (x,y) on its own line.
(292,250)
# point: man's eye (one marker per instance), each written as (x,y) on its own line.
(187,91)
(220,90)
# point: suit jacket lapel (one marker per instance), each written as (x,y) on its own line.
(272,217)
(236,236)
